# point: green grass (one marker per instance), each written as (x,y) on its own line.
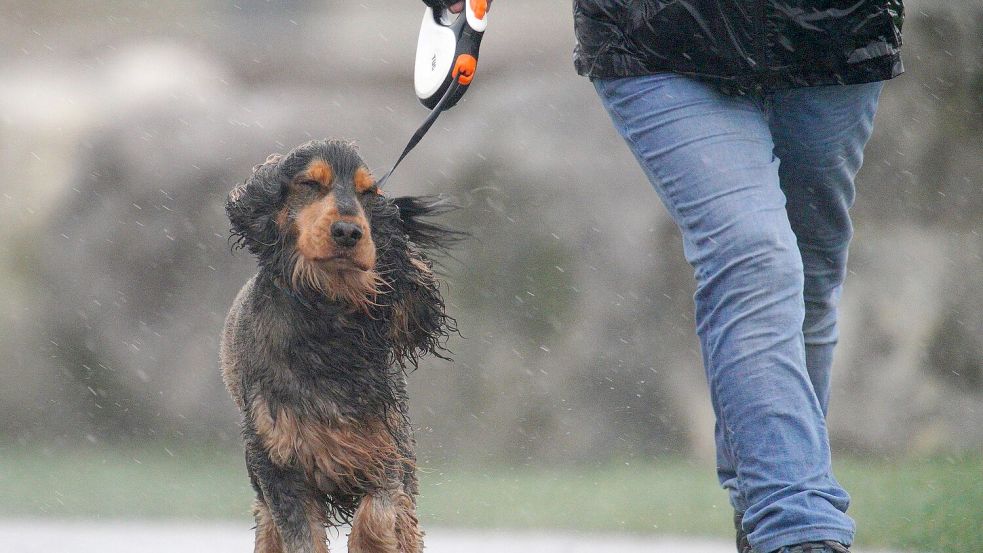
(154,482)
(924,505)
(673,497)
(929,505)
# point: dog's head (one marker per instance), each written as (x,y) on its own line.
(307,216)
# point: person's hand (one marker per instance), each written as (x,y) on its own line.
(458,6)
(453,6)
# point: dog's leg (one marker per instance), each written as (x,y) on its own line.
(316,521)
(267,536)
(296,519)
(407,526)
(385,522)
(408,531)
(374,525)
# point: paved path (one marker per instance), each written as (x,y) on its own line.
(30,536)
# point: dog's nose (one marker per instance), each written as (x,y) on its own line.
(345,234)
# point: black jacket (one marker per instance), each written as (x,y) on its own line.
(741,44)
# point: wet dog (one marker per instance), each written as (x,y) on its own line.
(316,345)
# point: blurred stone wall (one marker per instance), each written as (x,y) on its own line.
(123,126)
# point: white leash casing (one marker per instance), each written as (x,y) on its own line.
(447,49)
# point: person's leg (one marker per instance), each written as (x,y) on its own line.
(819,135)
(710,158)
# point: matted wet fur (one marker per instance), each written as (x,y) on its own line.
(316,345)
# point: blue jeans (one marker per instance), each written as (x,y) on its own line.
(760,187)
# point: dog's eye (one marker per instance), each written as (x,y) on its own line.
(311,184)
(371,190)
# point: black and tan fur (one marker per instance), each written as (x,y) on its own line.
(316,345)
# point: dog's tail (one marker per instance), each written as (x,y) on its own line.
(414,210)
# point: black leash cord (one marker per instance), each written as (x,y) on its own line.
(422,131)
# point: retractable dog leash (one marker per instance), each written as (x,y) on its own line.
(446,61)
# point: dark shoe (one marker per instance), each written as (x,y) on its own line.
(815,547)
(744,546)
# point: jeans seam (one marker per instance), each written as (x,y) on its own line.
(729,443)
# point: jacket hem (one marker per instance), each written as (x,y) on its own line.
(614,66)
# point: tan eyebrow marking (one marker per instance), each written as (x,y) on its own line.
(364,181)
(320,171)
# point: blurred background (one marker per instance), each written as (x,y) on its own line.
(577,397)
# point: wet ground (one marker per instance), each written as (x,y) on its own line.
(17,536)
(152,537)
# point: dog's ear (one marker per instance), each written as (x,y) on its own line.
(420,324)
(252,205)
(413,212)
